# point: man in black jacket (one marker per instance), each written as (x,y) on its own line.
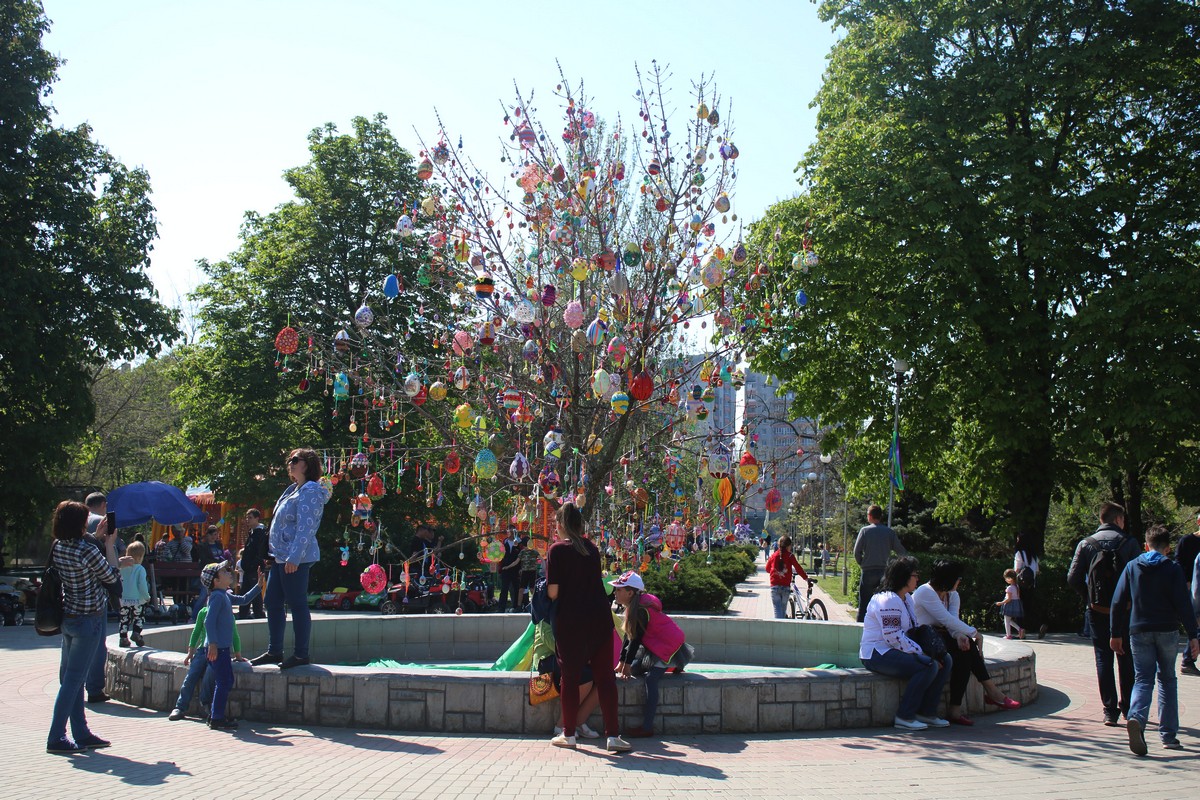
(1109,536)
(252,560)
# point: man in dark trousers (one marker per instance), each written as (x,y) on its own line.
(1152,588)
(1084,572)
(1185,557)
(872,548)
(253,554)
(510,565)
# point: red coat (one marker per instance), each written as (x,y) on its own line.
(786,563)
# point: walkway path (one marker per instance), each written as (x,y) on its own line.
(1056,748)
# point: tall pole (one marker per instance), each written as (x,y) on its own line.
(899,366)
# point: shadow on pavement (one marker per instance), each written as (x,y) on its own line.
(656,759)
(135,773)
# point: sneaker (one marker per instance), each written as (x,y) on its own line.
(563,741)
(176,714)
(1112,720)
(1172,744)
(293,661)
(97,699)
(933,722)
(64,746)
(1137,739)
(583,731)
(1042,630)
(1009,636)
(94,742)
(908,724)
(138,640)
(124,642)
(1189,668)
(616,744)
(223,724)
(266,658)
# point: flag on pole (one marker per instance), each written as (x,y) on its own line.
(897,467)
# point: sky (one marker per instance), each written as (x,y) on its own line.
(215,99)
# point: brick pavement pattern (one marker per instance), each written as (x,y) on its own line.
(1055,748)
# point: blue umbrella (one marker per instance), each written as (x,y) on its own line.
(137,503)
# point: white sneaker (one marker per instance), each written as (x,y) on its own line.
(933,722)
(618,745)
(908,724)
(563,741)
(584,731)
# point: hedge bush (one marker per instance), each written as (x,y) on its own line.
(693,587)
(983,584)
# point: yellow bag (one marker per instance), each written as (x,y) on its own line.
(541,688)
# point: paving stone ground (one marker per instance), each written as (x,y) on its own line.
(1055,748)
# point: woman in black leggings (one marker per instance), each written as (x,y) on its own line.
(937,604)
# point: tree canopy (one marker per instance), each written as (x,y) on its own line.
(76,228)
(1005,196)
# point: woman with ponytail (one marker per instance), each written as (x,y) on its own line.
(583,627)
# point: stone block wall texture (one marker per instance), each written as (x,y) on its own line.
(758,699)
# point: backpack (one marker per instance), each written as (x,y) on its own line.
(48,613)
(1026,577)
(541,607)
(1103,572)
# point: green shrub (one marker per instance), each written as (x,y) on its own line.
(731,565)
(694,587)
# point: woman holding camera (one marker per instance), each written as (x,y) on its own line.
(84,573)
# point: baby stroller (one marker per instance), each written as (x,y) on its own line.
(12,606)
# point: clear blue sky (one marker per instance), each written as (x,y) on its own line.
(215,99)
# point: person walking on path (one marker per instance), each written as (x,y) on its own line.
(1153,589)
(1094,571)
(872,548)
(1027,567)
(583,627)
(253,555)
(781,566)
(293,551)
(1185,556)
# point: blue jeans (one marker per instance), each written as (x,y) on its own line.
(652,678)
(222,670)
(779,596)
(1154,651)
(1114,703)
(81,637)
(925,680)
(198,672)
(291,588)
(94,683)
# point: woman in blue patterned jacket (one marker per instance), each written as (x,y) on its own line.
(292,547)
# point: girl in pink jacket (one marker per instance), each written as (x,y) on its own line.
(646,626)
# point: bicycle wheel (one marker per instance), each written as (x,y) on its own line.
(791,608)
(816,610)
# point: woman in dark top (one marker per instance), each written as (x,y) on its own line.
(583,627)
(84,570)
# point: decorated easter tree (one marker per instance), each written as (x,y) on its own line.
(588,327)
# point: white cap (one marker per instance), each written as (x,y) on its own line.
(630,579)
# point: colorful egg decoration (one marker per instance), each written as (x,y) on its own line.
(486,465)
(391,287)
(573,315)
(462,379)
(463,415)
(364,316)
(620,403)
(437,391)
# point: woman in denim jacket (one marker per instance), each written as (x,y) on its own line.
(292,547)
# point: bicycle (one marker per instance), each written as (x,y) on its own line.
(800,606)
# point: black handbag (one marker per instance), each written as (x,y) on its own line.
(928,639)
(48,614)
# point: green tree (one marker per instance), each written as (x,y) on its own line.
(1005,196)
(309,264)
(76,228)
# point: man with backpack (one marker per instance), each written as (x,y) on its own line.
(1095,569)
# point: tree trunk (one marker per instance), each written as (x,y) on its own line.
(1135,526)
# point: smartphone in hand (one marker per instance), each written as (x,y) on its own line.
(112,522)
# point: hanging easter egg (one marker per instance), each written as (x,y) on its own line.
(391,287)
(573,315)
(714,119)
(549,481)
(702,110)
(601,383)
(738,379)
(375,487)
(325,483)
(712,274)
(718,464)
(425,169)
(739,254)
(561,395)
(702,412)
(654,167)
(518,470)
(412,384)
(728,151)
(530,350)
(364,317)
(810,259)
(360,462)
(287,341)
(522,416)
(748,467)
(552,443)
(618,284)
(511,398)
(597,331)
(617,351)
(485,464)
(341,386)
(549,295)
(723,492)
(801,298)
(579,269)
(437,391)
(620,403)
(579,341)
(404,226)
(641,387)
(631,255)
(773,501)
(523,312)
(462,379)
(373,579)
(341,341)
(463,415)
(526,136)
(479,424)
(452,462)
(441,153)
(722,203)
(485,286)
(461,344)
(594,444)
(701,155)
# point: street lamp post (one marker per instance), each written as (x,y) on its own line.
(826,458)
(900,367)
